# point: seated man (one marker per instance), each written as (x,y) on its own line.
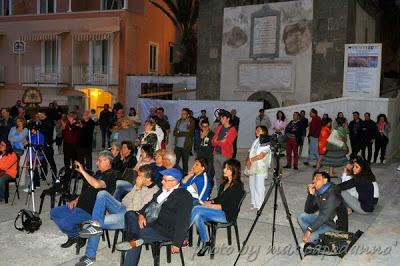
(323,197)
(141,194)
(197,182)
(69,217)
(171,224)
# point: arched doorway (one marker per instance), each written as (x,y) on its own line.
(96,98)
(267,98)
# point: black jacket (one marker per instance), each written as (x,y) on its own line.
(174,218)
(365,190)
(371,130)
(327,203)
(230,199)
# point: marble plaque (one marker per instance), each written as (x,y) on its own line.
(264,36)
(277,77)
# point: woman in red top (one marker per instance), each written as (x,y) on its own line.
(326,128)
(8,165)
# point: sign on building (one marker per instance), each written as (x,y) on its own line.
(19,47)
(362,70)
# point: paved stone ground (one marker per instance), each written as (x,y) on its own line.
(382,230)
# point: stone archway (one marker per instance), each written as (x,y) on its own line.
(267,98)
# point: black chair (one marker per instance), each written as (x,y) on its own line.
(7,189)
(116,234)
(155,250)
(62,188)
(214,226)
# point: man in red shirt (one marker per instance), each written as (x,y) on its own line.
(313,136)
(71,134)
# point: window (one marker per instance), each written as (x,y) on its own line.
(112,4)
(153,57)
(46,6)
(50,56)
(100,56)
(5,7)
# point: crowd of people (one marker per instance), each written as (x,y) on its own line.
(147,188)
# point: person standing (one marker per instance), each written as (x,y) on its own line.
(71,138)
(14,109)
(371,132)
(223,139)
(279,125)
(357,134)
(162,122)
(293,132)
(105,122)
(85,147)
(6,123)
(262,119)
(304,125)
(235,121)
(205,146)
(183,132)
(46,127)
(257,165)
(382,139)
(313,136)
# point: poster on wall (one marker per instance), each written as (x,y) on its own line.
(362,70)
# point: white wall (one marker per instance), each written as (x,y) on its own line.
(348,105)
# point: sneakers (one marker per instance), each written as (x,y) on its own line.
(125,246)
(85,261)
(90,230)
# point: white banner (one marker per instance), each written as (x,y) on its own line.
(246,111)
(362,70)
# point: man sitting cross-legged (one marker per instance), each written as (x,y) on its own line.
(141,194)
(69,217)
(171,224)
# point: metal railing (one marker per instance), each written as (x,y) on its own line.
(46,74)
(103,76)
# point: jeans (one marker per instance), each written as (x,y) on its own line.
(182,152)
(133,231)
(121,189)
(115,220)
(313,152)
(291,146)
(306,219)
(368,147)
(69,220)
(3,181)
(200,215)
(105,134)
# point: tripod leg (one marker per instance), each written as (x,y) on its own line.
(259,212)
(289,217)
(274,217)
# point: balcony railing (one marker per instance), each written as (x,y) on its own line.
(101,76)
(46,75)
(1,74)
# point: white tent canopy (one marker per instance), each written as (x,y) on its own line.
(246,111)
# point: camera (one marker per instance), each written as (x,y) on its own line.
(277,142)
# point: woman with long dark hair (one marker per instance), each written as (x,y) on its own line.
(224,208)
(382,139)
(279,125)
(8,165)
(365,196)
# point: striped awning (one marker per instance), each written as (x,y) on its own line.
(41,36)
(93,35)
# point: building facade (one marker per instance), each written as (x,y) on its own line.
(80,51)
(299,48)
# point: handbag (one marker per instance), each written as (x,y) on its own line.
(335,140)
(31,221)
(153,210)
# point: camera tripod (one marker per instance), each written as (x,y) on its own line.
(34,164)
(275,186)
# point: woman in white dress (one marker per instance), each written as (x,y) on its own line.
(257,166)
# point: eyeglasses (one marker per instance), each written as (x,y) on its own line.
(166,180)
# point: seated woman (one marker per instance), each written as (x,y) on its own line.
(8,166)
(141,194)
(126,178)
(149,136)
(224,208)
(365,196)
(146,156)
(197,182)
(158,166)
